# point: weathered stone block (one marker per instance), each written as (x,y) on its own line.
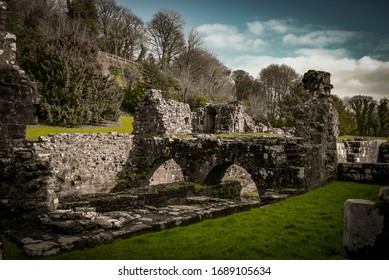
(363,225)
(384,194)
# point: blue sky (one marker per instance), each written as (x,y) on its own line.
(346,38)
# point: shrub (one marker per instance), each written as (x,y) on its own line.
(72,85)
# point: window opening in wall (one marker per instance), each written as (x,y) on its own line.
(210,121)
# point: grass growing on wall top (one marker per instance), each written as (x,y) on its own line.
(309,226)
(34,131)
(350,137)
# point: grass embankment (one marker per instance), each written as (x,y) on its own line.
(34,131)
(309,226)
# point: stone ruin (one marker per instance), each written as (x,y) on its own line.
(18,99)
(159,117)
(75,191)
(65,191)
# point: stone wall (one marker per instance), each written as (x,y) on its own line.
(22,174)
(83,163)
(362,151)
(274,163)
(223,118)
(377,173)
(384,153)
(156,116)
(366,227)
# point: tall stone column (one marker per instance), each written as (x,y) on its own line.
(317,121)
(22,175)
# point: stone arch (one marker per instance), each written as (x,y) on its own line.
(237,172)
(232,171)
(216,174)
(165,171)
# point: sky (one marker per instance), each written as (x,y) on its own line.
(349,39)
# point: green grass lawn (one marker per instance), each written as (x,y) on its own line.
(309,226)
(34,131)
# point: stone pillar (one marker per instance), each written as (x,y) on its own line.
(22,175)
(317,121)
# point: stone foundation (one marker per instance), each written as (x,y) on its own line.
(375,173)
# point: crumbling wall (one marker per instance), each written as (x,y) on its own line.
(274,163)
(317,122)
(359,150)
(83,163)
(223,118)
(22,175)
(157,116)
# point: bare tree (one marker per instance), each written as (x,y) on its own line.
(277,81)
(166,36)
(121,31)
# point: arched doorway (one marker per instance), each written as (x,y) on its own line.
(166,172)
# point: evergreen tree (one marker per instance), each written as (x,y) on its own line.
(74,90)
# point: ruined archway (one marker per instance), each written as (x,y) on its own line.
(230,171)
(165,171)
(249,188)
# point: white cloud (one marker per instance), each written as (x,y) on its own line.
(277,25)
(319,38)
(256,27)
(227,37)
(364,76)
(303,48)
(324,53)
(259,27)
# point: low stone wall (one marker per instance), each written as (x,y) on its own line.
(377,173)
(84,163)
(362,151)
(366,227)
(384,153)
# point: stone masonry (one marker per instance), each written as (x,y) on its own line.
(22,176)
(88,189)
(360,150)
(309,160)
(223,118)
(317,122)
(366,227)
